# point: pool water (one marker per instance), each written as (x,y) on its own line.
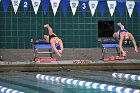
(28,83)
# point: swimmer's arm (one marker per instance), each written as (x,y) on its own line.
(134,42)
(120,44)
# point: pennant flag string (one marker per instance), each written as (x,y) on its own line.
(73,4)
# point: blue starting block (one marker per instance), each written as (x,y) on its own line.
(39,44)
(47,46)
(107,43)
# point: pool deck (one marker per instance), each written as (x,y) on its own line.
(72,59)
(31,66)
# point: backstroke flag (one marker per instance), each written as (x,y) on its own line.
(92,6)
(138,8)
(130,6)
(102,5)
(83,5)
(15,4)
(55,5)
(25,4)
(36,4)
(45,5)
(111,6)
(64,6)
(73,5)
(5,4)
(121,7)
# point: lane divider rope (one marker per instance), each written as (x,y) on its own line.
(8,90)
(105,87)
(126,76)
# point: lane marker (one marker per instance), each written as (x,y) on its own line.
(126,76)
(105,87)
(8,90)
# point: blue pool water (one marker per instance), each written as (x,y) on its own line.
(28,83)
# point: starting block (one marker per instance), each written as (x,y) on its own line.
(114,58)
(109,42)
(44,59)
(38,45)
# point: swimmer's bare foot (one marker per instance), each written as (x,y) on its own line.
(123,54)
(46,25)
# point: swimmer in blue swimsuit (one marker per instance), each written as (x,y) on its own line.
(122,35)
(53,39)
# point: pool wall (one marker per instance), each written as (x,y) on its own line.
(69,54)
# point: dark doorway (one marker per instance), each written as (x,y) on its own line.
(105,29)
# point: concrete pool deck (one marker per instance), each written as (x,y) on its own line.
(128,64)
(72,59)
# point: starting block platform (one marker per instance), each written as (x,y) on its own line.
(114,58)
(42,44)
(44,59)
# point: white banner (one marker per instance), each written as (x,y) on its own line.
(36,4)
(73,5)
(55,5)
(111,6)
(130,6)
(93,6)
(15,4)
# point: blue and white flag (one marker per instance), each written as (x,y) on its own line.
(92,6)
(15,4)
(36,4)
(55,5)
(45,5)
(130,6)
(64,6)
(25,4)
(5,4)
(73,5)
(102,6)
(138,8)
(83,5)
(121,7)
(111,6)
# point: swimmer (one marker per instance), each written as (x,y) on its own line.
(53,39)
(124,35)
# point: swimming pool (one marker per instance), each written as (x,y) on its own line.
(28,83)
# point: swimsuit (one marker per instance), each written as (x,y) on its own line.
(51,36)
(120,31)
(127,41)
